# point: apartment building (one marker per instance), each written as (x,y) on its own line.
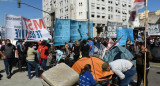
(99,11)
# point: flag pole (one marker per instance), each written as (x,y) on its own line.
(145,44)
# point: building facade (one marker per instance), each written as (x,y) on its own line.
(98,11)
(142,14)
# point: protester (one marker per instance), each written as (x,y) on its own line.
(44,54)
(8,50)
(59,53)
(76,50)
(70,44)
(140,63)
(67,50)
(91,47)
(4,57)
(85,49)
(39,49)
(31,55)
(124,69)
(20,49)
(86,77)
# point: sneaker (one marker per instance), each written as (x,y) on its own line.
(9,76)
(37,77)
(29,78)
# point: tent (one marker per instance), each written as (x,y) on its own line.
(118,52)
(96,64)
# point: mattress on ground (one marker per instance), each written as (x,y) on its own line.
(60,75)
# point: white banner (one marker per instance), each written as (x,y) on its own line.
(36,29)
(18,27)
(13,27)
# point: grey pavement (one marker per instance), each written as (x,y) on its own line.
(18,79)
(21,79)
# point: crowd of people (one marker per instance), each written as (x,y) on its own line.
(27,55)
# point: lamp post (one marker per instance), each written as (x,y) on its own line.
(88,19)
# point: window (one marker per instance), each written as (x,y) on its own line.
(98,16)
(80,4)
(97,7)
(103,0)
(103,8)
(92,15)
(103,16)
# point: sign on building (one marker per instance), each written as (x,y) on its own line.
(153,29)
(111,28)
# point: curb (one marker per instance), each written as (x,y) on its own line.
(155,66)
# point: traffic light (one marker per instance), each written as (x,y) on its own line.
(19,3)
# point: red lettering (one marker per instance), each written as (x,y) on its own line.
(40,25)
(25,21)
(30,24)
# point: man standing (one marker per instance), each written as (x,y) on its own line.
(8,50)
(20,49)
(91,47)
(124,69)
(85,49)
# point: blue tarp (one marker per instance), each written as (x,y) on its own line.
(61,31)
(66,30)
(117,53)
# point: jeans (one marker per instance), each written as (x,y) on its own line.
(91,53)
(43,63)
(8,65)
(34,64)
(128,76)
(38,55)
(21,61)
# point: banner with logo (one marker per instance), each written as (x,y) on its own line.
(18,27)
(35,29)
(153,29)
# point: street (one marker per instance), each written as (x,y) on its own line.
(21,79)
(18,78)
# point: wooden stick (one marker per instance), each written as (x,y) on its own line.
(145,45)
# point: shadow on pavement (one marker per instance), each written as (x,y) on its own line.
(2,71)
(158,72)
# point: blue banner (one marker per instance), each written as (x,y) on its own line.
(127,33)
(75,31)
(66,30)
(62,31)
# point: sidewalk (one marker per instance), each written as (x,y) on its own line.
(17,79)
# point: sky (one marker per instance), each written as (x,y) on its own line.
(10,7)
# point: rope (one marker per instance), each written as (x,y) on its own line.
(93,69)
(126,56)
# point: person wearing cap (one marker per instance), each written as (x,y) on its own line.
(124,69)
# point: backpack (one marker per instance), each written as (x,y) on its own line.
(8,51)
